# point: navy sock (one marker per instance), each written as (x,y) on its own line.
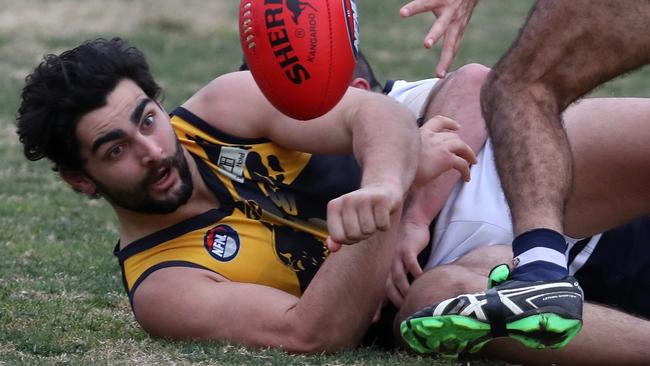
(539,255)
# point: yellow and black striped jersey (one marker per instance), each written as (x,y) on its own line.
(270,226)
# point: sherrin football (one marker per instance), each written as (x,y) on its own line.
(301,52)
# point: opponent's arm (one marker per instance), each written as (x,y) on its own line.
(380,132)
(457,97)
(444,154)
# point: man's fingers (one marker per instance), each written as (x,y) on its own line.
(366,217)
(446,59)
(454,144)
(462,166)
(377,316)
(439,123)
(461,150)
(449,48)
(393,293)
(398,275)
(418,6)
(351,226)
(332,245)
(463,157)
(438,29)
(459,37)
(381,214)
(343,223)
(335,222)
(412,265)
(452,17)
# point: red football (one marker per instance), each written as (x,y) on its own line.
(301,52)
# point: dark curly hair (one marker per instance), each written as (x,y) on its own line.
(64,88)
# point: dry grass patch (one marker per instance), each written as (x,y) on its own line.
(8,135)
(68,18)
(26,24)
(131,352)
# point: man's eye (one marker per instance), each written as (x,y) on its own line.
(148,121)
(116,151)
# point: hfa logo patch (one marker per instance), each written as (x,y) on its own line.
(222,242)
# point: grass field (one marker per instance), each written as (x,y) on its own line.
(61,297)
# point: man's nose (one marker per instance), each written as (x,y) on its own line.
(150,151)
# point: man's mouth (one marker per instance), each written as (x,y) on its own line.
(163,180)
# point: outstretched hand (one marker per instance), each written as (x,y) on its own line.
(452,17)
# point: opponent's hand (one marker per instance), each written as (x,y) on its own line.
(359,214)
(412,238)
(442,149)
(452,17)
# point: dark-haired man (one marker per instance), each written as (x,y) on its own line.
(222,207)
(235,246)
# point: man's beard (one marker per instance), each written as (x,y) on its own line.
(139,199)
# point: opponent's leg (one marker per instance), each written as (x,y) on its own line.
(457,96)
(611,154)
(467,275)
(565,49)
(616,273)
(609,337)
(624,335)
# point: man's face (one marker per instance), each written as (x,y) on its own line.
(132,155)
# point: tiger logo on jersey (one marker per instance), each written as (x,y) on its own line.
(301,252)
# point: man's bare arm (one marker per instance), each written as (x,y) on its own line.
(457,97)
(333,313)
(380,132)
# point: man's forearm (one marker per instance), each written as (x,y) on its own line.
(339,304)
(426,202)
(387,146)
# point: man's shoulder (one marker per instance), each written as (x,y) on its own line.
(226,103)
(213,97)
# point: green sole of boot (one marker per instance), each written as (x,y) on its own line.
(451,335)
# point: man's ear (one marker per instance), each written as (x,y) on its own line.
(79,181)
(360,83)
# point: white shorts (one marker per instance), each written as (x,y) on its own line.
(476,213)
(412,94)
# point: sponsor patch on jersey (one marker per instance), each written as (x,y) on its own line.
(232,161)
(222,242)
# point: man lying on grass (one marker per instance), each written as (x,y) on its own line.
(222,207)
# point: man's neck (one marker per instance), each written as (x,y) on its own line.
(135,225)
